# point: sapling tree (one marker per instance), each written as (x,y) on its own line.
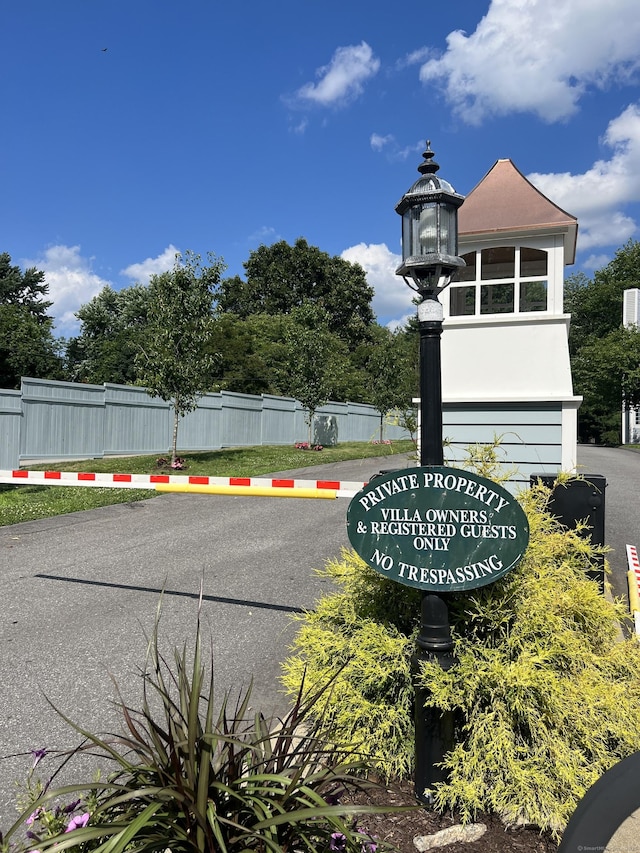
(314,357)
(392,365)
(175,361)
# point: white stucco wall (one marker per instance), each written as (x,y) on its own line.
(506,357)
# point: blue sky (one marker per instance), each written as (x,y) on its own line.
(133,129)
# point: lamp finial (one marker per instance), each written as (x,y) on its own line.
(429,167)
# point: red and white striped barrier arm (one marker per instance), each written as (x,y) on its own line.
(633,580)
(151,481)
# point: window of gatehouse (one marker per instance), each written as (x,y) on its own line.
(500,280)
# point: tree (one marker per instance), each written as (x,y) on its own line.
(176,360)
(28,288)
(314,359)
(392,366)
(606,371)
(596,306)
(249,352)
(281,277)
(112,329)
(604,357)
(27,344)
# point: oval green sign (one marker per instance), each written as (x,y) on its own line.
(436,528)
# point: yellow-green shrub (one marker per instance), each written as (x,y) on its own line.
(546,693)
(358,640)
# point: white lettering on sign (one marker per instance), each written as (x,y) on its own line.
(459,574)
(435,536)
(403,483)
(403,514)
(472,516)
(383,560)
(488,531)
(435,480)
(457,483)
(434,543)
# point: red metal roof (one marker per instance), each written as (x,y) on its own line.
(505,201)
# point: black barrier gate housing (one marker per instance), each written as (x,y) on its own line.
(580,500)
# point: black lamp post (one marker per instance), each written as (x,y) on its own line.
(429,213)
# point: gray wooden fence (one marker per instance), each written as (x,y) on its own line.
(67,420)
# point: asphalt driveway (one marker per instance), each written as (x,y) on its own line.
(621,469)
(80,591)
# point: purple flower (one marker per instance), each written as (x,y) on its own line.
(38,755)
(71,807)
(338,841)
(368,846)
(33,817)
(78,822)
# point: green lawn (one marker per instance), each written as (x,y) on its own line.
(29,502)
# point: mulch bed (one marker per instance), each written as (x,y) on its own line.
(401,829)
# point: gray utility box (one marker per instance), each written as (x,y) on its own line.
(580,500)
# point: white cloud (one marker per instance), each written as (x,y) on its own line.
(379,142)
(416,57)
(596,262)
(597,197)
(265,235)
(342,79)
(71,284)
(142,272)
(537,56)
(390,144)
(392,299)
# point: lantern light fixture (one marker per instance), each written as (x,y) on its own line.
(429,211)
